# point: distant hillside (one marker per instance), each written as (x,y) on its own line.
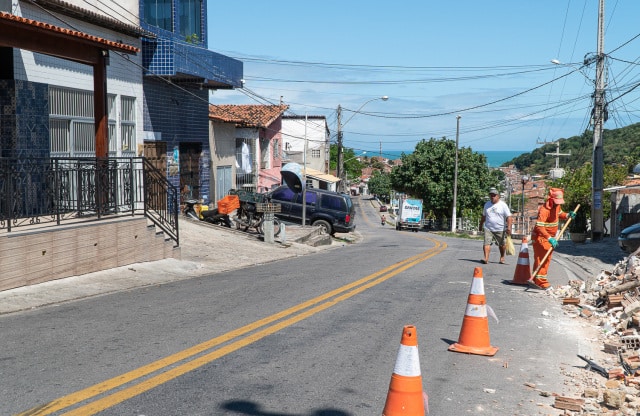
(619,146)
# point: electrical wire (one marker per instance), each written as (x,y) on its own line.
(498,71)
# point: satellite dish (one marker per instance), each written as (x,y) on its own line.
(636,169)
(292,176)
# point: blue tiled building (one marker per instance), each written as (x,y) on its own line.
(179,72)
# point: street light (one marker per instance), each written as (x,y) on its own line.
(524,180)
(576,67)
(340,164)
(364,152)
(455,179)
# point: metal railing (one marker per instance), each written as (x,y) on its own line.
(37,191)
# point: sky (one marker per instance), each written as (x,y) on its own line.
(488,63)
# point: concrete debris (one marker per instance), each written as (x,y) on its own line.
(609,301)
(568,403)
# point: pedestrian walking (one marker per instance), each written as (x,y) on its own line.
(544,233)
(383,219)
(496,222)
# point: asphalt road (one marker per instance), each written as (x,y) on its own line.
(315,334)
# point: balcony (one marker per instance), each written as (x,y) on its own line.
(183,62)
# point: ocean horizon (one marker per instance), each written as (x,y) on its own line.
(495,158)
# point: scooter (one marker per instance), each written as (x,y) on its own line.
(193,209)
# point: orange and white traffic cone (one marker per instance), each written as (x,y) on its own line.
(474,335)
(405,397)
(522,275)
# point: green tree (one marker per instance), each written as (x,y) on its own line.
(428,173)
(380,184)
(577,190)
(352,166)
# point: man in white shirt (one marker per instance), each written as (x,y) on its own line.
(496,222)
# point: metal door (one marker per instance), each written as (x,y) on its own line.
(223,181)
(190,170)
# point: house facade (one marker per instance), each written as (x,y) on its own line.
(49,100)
(305,140)
(179,72)
(157,98)
(85,81)
(306,133)
(246,147)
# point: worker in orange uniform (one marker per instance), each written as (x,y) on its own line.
(544,233)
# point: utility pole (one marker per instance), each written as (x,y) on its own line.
(304,173)
(597,216)
(339,164)
(455,179)
(340,169)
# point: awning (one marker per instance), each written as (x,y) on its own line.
(321,176)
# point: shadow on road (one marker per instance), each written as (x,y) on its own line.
(244,407)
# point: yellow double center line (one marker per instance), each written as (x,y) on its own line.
(169,367)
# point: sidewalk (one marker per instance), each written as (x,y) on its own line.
(591,257)
(205,249)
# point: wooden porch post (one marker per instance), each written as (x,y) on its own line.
(100,108)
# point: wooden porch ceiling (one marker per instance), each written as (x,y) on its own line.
(19,32)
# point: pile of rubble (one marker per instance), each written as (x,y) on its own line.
(610,302)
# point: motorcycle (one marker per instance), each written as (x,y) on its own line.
(193,209)
(383,220)
(248,215)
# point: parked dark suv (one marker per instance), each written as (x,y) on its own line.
(330,210)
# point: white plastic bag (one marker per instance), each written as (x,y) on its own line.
(510,249)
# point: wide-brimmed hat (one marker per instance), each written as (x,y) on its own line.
(494,191)
(557,195)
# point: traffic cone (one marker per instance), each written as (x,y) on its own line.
(474,335)
(405,397)
(522,274)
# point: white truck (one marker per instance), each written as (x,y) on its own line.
(409,214)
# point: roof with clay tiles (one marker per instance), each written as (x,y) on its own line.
(9,19)
(91,16)
(247,115)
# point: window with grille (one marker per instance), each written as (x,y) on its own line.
(245,164)
(59,135)
(71,122)
(111,127)
(315,153)
(128,123)
(264,154)
(276,149)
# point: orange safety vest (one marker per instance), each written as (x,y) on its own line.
(547,221)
